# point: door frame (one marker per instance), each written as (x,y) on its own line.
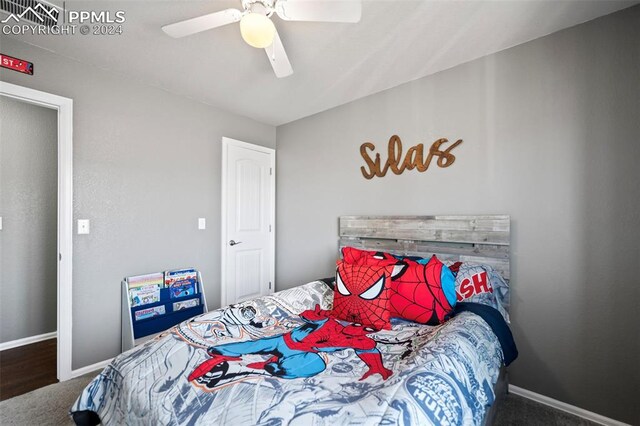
(64,107)
(226,142)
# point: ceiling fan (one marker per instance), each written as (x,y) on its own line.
(258,30)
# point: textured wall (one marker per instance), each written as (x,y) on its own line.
(146,166)
(551,131)
(28,203)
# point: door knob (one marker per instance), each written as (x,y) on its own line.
(233,243)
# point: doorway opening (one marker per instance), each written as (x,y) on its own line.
(62,223)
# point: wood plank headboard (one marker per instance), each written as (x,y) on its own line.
(482,239)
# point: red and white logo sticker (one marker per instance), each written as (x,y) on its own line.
(16,64)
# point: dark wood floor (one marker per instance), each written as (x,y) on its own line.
(27,368)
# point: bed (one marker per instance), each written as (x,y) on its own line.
(247,364)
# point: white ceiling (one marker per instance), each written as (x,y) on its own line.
(395,42)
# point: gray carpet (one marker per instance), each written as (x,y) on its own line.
(516,410)
(49,406)
(45,406)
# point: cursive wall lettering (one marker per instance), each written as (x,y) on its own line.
(414,158)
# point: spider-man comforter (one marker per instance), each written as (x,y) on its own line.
(281,360)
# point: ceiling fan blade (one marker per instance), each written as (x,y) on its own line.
(278,58)
(319,10)
(202,23)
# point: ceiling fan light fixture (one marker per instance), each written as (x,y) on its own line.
(257,30)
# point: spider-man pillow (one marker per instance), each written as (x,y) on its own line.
(361,294)
(424,293)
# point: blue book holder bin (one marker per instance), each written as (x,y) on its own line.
(135,332)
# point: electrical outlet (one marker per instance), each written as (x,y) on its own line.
(83,226)
(202,223)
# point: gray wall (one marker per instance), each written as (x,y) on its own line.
(551,134)
(137,149)
(28,204)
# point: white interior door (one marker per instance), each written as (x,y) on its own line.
(248,217)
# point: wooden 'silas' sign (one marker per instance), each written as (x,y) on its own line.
(414,159)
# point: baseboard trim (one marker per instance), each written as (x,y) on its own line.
(28,340)
(563,406)
(89,368)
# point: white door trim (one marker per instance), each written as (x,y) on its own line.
(223,222)
(64,106)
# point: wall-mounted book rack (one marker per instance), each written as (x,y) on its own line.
(149,309)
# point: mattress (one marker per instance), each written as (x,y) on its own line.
(243,365)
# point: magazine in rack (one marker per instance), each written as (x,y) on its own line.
(181,282)
(145,289)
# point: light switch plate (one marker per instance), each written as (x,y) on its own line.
(202,223)
(83,226)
